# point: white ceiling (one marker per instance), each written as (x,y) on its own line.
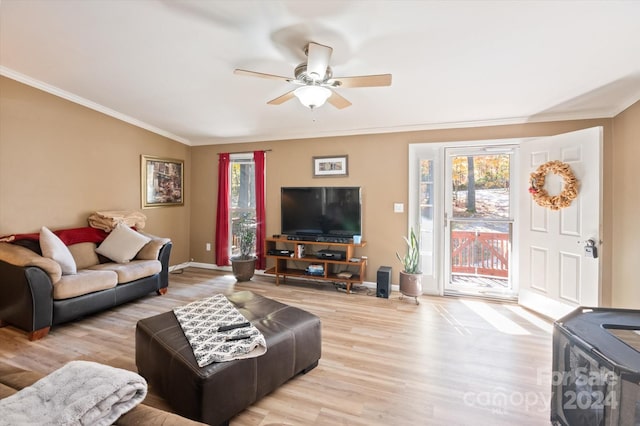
(167,65)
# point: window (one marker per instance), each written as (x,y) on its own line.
(426,199)
(242,195)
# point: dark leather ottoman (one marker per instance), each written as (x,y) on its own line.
(215,393)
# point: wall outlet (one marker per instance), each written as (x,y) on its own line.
(398,207)
(208,247)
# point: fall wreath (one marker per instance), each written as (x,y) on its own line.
(569,189)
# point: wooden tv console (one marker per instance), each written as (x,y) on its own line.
(331,267)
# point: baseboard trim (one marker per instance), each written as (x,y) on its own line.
(209,266)
(179,266)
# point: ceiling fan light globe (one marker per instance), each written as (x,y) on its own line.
(312,96)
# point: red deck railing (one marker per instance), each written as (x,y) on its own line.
(480,253)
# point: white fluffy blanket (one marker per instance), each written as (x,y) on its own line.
(79,393)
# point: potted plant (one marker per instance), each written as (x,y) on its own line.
(244,265)
(411,276)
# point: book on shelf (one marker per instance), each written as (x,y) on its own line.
(315,269)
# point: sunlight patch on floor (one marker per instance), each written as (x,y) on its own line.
(451,319)
(543,325)
(494,318)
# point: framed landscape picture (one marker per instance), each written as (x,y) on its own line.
(162,181)
(330,166)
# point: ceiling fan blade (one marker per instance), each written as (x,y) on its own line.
(318,57)
(281,99)
(338,101)
(262,75)
(362,81)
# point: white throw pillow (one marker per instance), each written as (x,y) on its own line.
(122,244)
(53,248)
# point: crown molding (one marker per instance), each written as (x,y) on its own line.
(591,115)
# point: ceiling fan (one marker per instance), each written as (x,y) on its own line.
(315,80)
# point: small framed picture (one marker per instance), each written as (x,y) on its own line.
(335,165)
(162,181)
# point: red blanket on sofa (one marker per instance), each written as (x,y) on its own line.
(68,236)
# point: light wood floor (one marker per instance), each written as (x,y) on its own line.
(447,361)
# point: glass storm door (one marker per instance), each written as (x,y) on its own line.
(479,221)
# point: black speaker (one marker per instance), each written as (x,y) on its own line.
(384,282)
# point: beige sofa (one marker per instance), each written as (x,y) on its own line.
(41,289)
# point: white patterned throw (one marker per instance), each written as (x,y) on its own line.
(201,321)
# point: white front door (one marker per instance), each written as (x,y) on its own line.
(555,275)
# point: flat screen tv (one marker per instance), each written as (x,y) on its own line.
(326,211)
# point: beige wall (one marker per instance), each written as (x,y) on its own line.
(60,161)
(626,198)
(377,163)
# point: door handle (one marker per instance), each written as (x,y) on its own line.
(590,249)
